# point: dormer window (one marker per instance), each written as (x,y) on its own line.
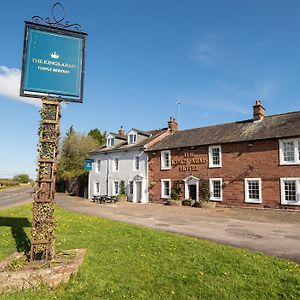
(132,138)
(110,142)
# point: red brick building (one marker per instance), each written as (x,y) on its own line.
(254,162)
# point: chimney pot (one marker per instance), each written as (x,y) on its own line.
(121,132)
(172,125)
(258,111)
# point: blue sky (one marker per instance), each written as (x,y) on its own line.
(218,56)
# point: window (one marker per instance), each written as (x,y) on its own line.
(130,187)
(215,187)
(165,188)
(165,160)
(289,152)
(136,163)
(132,138)
(110,142)
(214,156)
(116,164)
(97,188)
(290,191)
(253,192)
(98,165)
(116,187)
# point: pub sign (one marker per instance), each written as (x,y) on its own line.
(53,62)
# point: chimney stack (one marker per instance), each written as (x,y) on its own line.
(258,111)
(172,125)
(121,132)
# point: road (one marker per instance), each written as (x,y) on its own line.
(280,238)
(14,197)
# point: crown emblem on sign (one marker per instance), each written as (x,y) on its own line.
(54,55)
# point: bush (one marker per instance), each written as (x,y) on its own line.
(176,190)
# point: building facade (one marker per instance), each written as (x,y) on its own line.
(254,162)
(123,158)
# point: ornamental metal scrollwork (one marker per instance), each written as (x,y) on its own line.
(57,22)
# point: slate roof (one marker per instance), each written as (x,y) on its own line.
(276,126)
(152,134)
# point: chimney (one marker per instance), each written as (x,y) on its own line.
(121,132)
(258,111)
(172,125)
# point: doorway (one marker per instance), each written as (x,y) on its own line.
(192,191)
(138,192)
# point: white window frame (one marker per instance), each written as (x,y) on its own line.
(114,164)
(114,187)
(134,138)
(130,187)
(97,187)
(247,199)
(134,163)
(98,165)
(110,142)
(211,191)
(162,161)
(296,152)
(163,190)
(210,156)
(282,191)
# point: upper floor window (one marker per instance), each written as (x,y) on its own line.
(215,188)
(98,165)
(253,193)
(165,188)
(132,138)
(289,152)
(110,142)
(116,164)
(165,160)
(136,163)
(290,191)
(214,156)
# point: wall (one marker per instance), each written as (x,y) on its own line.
(258,159)
(126,172)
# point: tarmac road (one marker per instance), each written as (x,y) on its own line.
(276,233)
(15,196)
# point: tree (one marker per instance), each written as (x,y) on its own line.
(98,136)
(21,178)
(74,150)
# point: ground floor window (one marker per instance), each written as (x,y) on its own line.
(290,191)
(253,192)
(97,188)
(116,187)
(215,188)
(165,188)
(131,187)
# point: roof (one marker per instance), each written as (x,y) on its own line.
(276,126)
(152,134)
(116,135)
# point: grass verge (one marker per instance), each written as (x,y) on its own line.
(130,262)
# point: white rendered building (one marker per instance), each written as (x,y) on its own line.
(124,158)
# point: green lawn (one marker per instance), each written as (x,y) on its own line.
(131,262)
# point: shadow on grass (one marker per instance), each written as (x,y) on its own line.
(17,229)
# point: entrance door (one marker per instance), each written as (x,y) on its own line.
(192,191)
(138,191)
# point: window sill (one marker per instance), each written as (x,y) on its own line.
(213,167)
(253,201)
(293,203)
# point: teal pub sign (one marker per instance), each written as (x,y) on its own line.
(53,62)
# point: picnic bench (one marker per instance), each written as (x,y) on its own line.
(104,199)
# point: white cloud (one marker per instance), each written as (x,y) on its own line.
(10,85)
(210,50)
